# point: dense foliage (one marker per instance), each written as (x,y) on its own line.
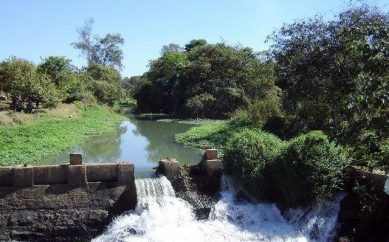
(294,173)
(335,77)
(55,80)
(204,80)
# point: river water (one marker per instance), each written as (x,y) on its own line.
(143,142)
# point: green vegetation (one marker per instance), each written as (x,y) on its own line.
(203,81)
(297,172)
(37,117)
(309,169)
(56,80)
(334,78)
(213,134)
(339,86)
(29,143)
(249,155)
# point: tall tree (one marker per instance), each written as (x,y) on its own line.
(100,50)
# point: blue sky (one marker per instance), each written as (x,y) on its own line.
(32,29)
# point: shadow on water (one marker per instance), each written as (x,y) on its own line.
(144,142)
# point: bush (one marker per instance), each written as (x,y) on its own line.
(292,174)
(308,170)
(248,155)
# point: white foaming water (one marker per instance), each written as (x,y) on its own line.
(160,216)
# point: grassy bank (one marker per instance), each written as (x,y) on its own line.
(213,134)
(48,134)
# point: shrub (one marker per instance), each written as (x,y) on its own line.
(308,170)
(292,174)
(248,155)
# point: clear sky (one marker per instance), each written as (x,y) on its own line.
(32,29)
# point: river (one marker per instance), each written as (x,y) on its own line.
(143,142)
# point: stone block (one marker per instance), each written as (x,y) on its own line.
(6,177)
(212,166)
(102,172)
(23,177)
(211,154)
(125,173)
(47,175)
(170,168)
(75,159)
(77,176)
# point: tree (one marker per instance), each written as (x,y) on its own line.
(334,77)
(207,80)
(20,78)
(170,48)
(194,43)
(105,83)
(104,51)
(63,75)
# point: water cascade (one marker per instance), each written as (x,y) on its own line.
(161,216)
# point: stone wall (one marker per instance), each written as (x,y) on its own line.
(72,202)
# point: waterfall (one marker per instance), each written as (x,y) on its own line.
(161,216)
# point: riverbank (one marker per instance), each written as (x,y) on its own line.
(46,134)
(212,134)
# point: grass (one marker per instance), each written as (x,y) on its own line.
(213,134)
(51,133)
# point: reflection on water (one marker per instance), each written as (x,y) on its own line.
(143,142)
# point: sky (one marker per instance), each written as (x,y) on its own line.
(33,29)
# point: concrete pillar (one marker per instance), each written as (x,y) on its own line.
(211,154)
(77,176)
(23,177)
(125,173)
(170,168)
(211,163)
(212,166)
(75,159)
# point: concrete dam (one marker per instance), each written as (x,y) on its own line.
(63,202)
(71,202)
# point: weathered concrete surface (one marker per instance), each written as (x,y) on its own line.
(63,203)
(59,213)
(74,175)
(170,168)
(211,167)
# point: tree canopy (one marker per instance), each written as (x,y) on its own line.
(334,76)
(205,80)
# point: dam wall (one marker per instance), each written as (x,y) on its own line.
(71,202)
(73,175)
